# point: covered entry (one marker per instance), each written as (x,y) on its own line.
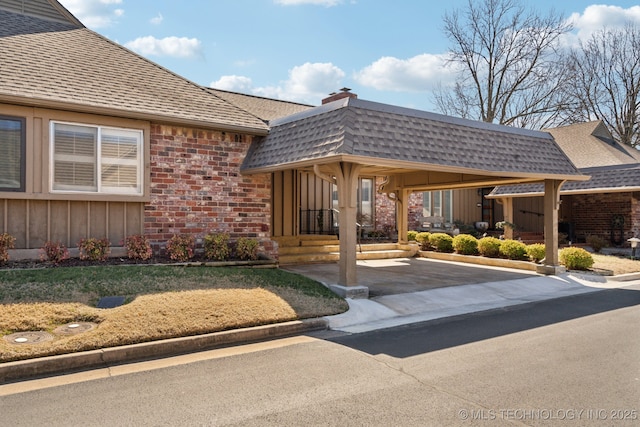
(415,150)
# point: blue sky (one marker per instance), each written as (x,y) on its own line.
(301,50)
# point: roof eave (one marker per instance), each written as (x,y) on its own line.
(139,115)
(412,166)
(566,192)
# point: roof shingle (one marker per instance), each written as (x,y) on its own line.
(46,62)
(378,131)
(613,167)
(591,145)
(266,109)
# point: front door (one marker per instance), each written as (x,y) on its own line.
(487,207)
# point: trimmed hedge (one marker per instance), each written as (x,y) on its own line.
(442,242)
(536,252)
(576,258)
(489,247)
(513,249)
(465,244)
(423,239)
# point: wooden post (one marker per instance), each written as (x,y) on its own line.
(403,214)
(347,181)
(507,208)
(551,208)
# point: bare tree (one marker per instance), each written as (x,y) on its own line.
(606,82)
(510,71)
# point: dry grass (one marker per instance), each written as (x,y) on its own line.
(163,302)
(190,302)
(619,265)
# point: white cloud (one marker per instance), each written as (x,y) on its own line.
(95,13)
(598,17)
(419,73)
(179,47)
(307,83)
(326,3)
(157,20)
(233,83)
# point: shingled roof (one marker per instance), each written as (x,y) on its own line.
(58,63)
(613,167)
(384,135)
(266,109)
(591,145)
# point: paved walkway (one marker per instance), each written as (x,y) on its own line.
(413,290)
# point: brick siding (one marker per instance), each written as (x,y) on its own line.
(196,187)
(386,211)
(593,214)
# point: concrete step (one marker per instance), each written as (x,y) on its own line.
(331,253)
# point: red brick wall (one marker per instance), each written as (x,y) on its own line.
(386,214)
(593,213)
(196,187)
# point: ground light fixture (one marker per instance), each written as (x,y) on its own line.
(634,244)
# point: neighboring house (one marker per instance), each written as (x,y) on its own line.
(607,205)
(96,141)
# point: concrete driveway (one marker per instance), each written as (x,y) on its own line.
(410,290)
(407,275)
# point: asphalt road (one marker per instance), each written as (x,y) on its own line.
(570,361)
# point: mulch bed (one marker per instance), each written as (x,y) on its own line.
(77,262)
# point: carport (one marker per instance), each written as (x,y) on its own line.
(415,151)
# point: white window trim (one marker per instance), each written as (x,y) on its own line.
(428,201)
(100,188)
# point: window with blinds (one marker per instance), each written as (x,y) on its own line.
(12,153)
(96,159)
(438,203)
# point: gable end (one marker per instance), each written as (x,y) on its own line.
(43,9)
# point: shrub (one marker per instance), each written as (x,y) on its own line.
(411,235)
(536,252)
(216,246)
(138,247)
(465,244)
(6,242)
(180,247)
(596,242)
(442,242)
(423,239)
(246,248)
(489,247)
(94,249)
(513,249)
(576,258)
(54,252)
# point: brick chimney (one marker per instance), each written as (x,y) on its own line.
(334,96)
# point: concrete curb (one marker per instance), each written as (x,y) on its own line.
(103,358)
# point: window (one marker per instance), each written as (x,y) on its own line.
(96,159)
(12,153)
(438,203)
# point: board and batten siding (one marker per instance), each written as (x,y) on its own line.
(37,214)
(293,191)
(34,222)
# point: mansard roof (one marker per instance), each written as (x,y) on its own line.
(383,135)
